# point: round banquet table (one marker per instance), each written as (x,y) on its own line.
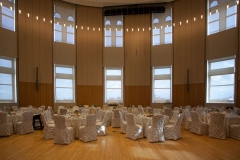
(75,123)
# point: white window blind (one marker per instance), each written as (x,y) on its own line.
(64,25)
(7,17)
(113,31)
(64,83)
(114,85)
(162,27)
(222,15)
(7,80)
(162,84)
(220,80)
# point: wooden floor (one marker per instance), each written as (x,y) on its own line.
(115,146)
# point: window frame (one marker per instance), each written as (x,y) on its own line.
(64,76)
(117,78)
(161,77)
(9,4)
(11,71)
(218,72)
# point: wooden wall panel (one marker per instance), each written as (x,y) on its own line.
(90,95)
(29,96)
(137,95)
(194,97)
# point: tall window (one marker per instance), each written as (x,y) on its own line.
(113,85)
(162,84)
(64,22)
(222,15)
(162,27)
(7,17)
(113,31)
(220,80)
(64,78)
(7,80)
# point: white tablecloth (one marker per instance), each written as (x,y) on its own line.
(147,121)
(14,119)
(75,123)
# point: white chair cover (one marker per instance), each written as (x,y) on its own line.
(174,116)
(25,126)
(198,127)
(86,106)
(49,129)
(168,112)
(15,108)
(6,128)
(75,108)
(135,111)
(188,107)
(43,107)
(157,111)
(134,131)
(235,131)
(48,116)
(123,123)
(216,126)
(187,120)
(92,110)
(101,125)
(85,112)
(141,111)
(176,109)
(164,107)
(98,109)
(89,132)
(199,110)
(99,115)
(60,107)
(155,131)
(124,109)
(51,110)
(172,131)
(115,122)
(63,111)
(63,134)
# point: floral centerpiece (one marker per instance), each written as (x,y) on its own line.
(112,104)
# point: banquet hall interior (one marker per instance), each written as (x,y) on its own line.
(125,79)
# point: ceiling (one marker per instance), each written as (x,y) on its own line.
(104,3)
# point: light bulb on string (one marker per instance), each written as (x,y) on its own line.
(138,29)
(127,30)
(28,15)
(180,23)
(64,25)
(81,27)
(99,29)
(186,21)
(1,4)
(194,19)
(216,10)
(227,6)
(50,21)
(87,28)
(149,28)
(76,26)
(43,19)
(201,16)
(10,8)
(210,13)
(36,17)
(143,29)
(173,24)
(19,11)
(132,29)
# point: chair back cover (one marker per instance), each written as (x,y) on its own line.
(91,120)
(27,117)
(155,133)
(3,118)
(63,111)
(168,112)
(216,126)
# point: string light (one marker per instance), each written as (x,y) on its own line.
(149,28)
(180,23)
(173,24)
(186,21)
(43,19)
(87,28)
(36,17)
(19,11)
(210,13)
(127,30)
(99,29)
(1,4)
(227,6)
(64,25)
(201,16)
(93,29)
(216,10)
(167,25)
(50,21)
(237,2)
(76,27)
(143,29)
(10,8)
(28,15)
(70,25)
(132,29)
(57,23)
(138,29)
(194,19)
(81,27)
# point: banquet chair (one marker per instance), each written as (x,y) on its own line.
(89,132)
(157,111)
(60,107)
(101,125)
(235,131)
(63,134)
(85,111)
(172,131)
(135,111)
(37,119)
(134,131)
(6,128)
(98,109)
(188,107)
(123,124)
(174,116)
(63,111)
(176,109)
(168,112)
(164,107)
(155,131)
(7,109)
(187,120)
(124,109)
(86,106)
(115,122)
(199,110)
(198,127)
(25,126)
(141,110)
(216,126)
(99,115)
(75,108)
(49,128)
(48,116)
(51,110)
(43,107)
(92,110)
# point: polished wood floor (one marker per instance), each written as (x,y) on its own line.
(115,146)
